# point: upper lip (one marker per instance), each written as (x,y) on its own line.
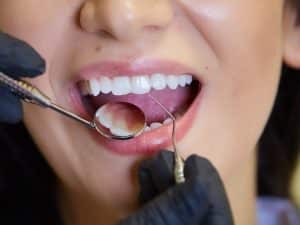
(125,68)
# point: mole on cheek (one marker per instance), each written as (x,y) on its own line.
(98,48)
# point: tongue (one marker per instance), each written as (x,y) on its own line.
(175,101)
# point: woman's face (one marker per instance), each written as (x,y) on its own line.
(233,49)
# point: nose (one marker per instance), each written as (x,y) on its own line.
(125,19)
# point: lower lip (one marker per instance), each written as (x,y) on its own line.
(148,143)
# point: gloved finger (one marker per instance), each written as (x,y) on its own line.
(10,107)
(220,212)
(18,58)
(156,175)
(183,204)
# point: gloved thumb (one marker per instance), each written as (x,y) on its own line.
(156,175)
(18,58)
(220,211)
(186,203)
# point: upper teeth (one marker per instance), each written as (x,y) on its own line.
(124,85)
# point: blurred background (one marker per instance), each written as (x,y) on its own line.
(296,184)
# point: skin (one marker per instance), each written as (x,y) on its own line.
(236,46)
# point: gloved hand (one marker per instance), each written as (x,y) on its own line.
(201,200)
(16,59)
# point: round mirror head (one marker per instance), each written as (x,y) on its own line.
(119,120)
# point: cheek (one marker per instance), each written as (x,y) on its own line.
(231,24)
(32,20)
(246,39)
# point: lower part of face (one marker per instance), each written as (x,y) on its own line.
(233,49)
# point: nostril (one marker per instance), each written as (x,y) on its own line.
(117,19)
(86,17)
(105,34)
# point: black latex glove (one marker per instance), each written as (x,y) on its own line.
(201,200)
(16,59)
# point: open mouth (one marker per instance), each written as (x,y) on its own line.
(175,92)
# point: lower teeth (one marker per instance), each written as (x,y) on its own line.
(156,125)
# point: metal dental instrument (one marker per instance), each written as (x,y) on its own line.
(179,163)
(33,95)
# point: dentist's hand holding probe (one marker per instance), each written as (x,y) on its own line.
(201,200)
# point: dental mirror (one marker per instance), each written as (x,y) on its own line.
(119,120)
(115,120)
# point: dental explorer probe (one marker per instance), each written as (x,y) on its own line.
(179,163)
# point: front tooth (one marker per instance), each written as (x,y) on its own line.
(140,85)
(155,125)
(94,87)
(158,81)
(121,86)
(172,82)
(105,85)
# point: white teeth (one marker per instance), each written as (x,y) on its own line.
(182,80)
(116,127)
(123,85)
(120,131)
(140,85)
(188,78)
(147,128)
(155,125)
(167,121)
(158,81)
(95,87)
(172,82)
(105,84)
(104,118)
(119,127)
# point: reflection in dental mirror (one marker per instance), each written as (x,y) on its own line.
(119,120)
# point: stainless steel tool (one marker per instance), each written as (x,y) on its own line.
(33,95)
(179,162)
